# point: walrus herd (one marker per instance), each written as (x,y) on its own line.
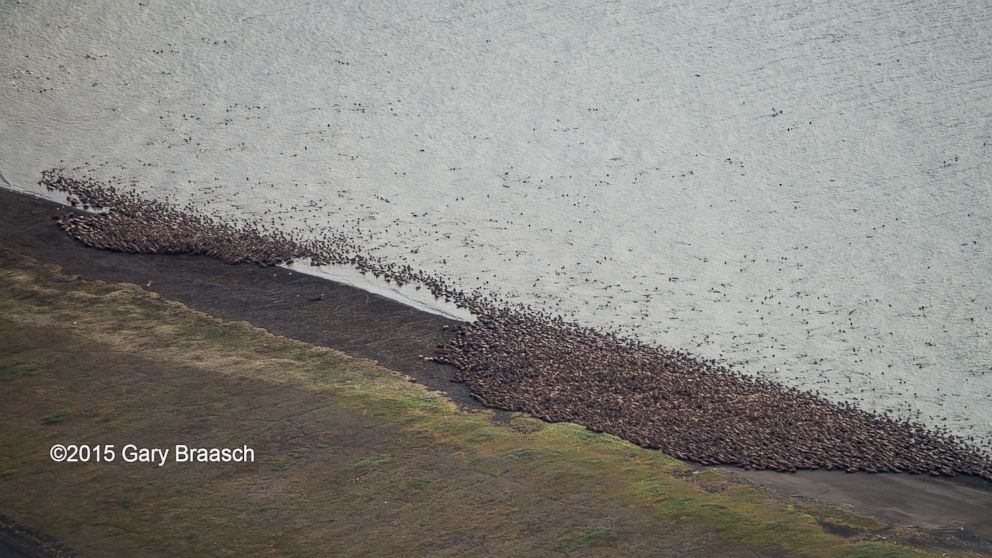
(523,359)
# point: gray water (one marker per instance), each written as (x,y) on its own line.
(799,189)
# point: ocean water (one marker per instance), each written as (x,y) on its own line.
(801,190)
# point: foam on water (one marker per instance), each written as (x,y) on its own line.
(802,190)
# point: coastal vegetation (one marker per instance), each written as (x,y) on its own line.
(351,457)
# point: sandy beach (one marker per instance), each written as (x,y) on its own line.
(516,357)
(303,307)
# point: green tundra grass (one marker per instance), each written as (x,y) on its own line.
(351,459)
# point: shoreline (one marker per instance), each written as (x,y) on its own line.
(344,447)
(518,357)
(408,296)
(349,319)
(370,326)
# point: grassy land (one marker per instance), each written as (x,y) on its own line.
(351,458)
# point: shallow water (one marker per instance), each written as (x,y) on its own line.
(802,191)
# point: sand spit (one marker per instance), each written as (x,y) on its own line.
(521,358)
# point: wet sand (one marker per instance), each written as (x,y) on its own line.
(369,326)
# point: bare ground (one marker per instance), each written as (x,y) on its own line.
(219,400)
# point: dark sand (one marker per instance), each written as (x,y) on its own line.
(16,541)
(369,326)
